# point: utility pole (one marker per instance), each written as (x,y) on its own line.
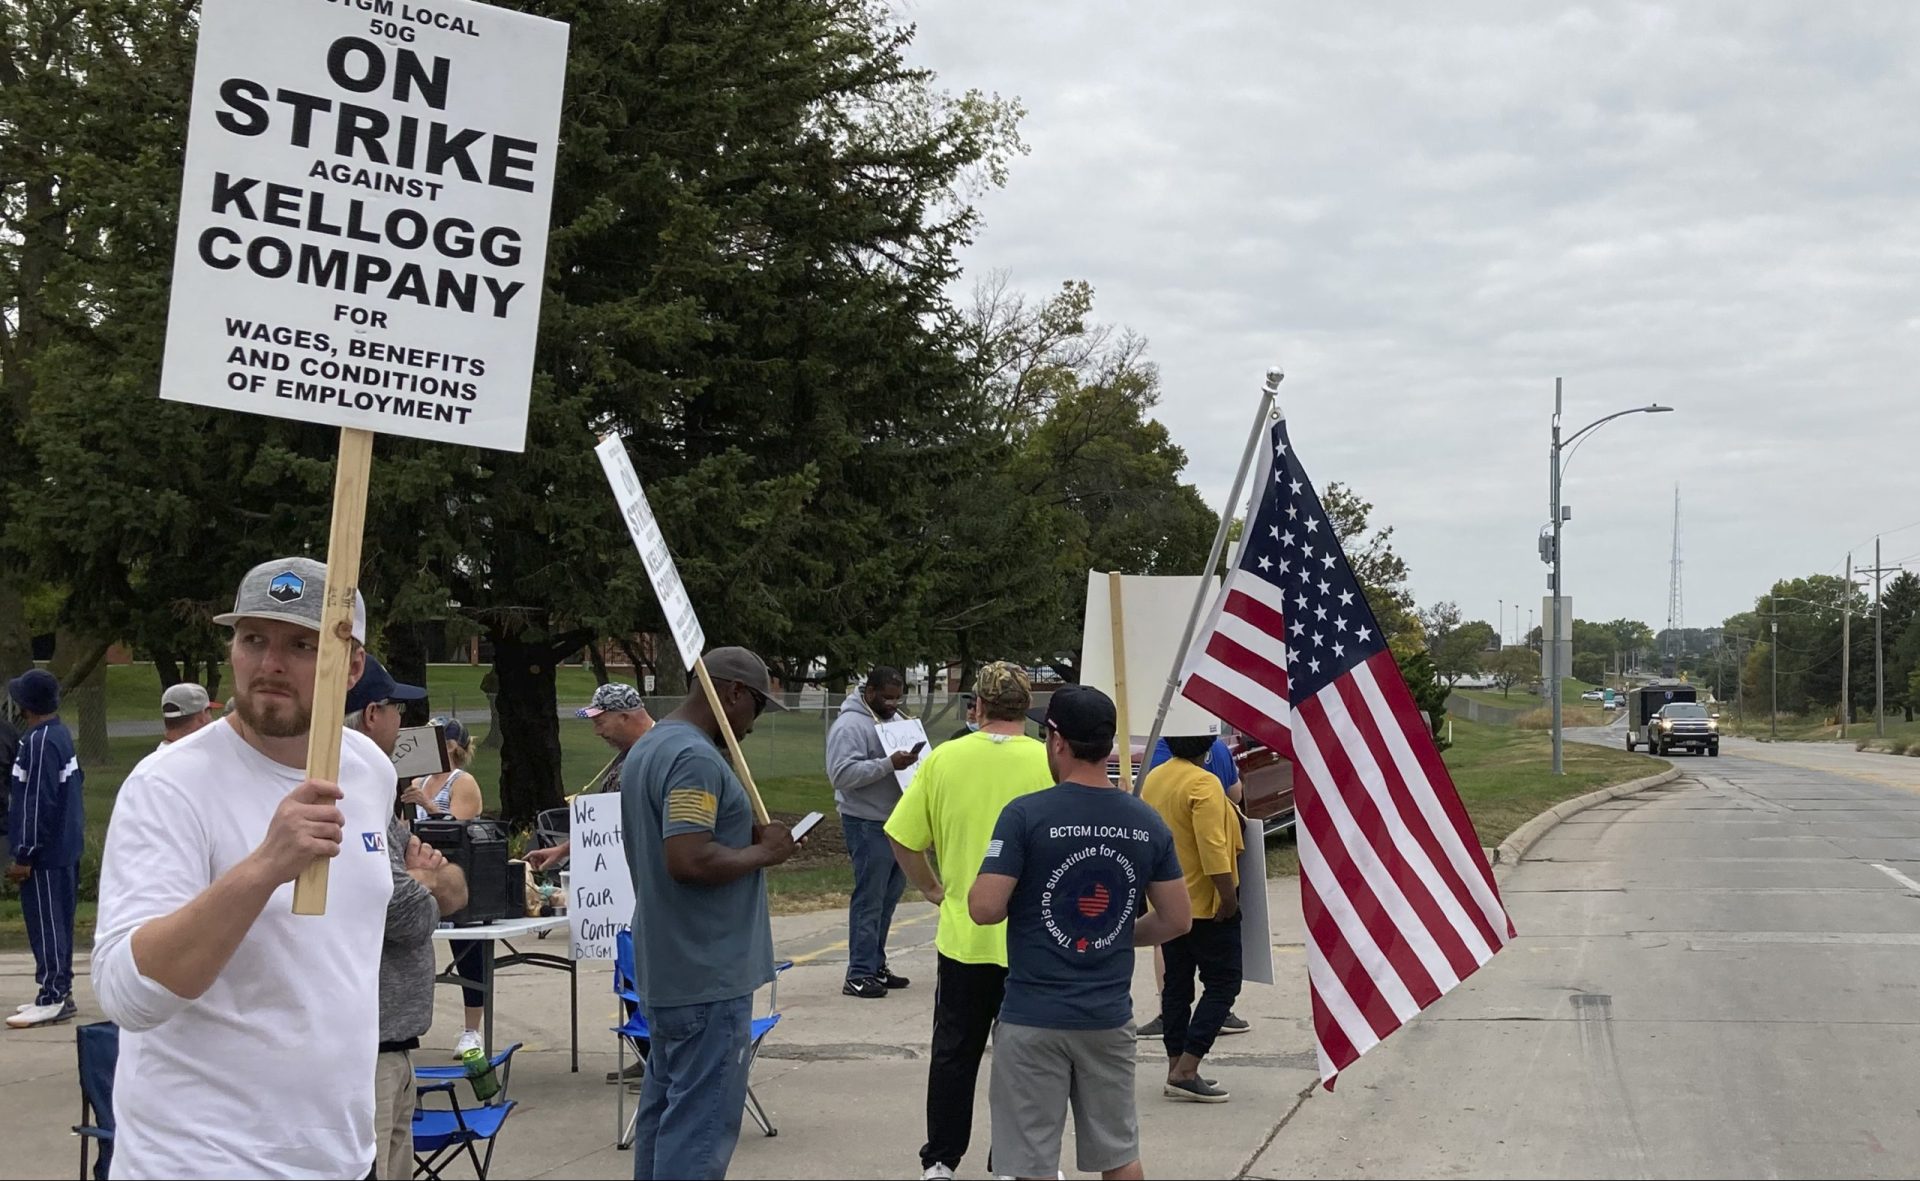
(1846,649)
(1773,695)
(1879,676)
(1500,621)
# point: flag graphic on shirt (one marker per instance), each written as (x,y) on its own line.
(1399,901)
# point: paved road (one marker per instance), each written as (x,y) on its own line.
(1720,977)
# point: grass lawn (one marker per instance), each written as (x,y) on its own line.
(1520,698)
(133,690)
(1504,779)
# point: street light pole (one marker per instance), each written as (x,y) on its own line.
(1553,649)
(1552,630)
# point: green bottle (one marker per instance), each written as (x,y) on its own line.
(480,1073)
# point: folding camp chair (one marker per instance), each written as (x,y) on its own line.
(551,826)
(441,1134)
(98,1048)
(633,1035)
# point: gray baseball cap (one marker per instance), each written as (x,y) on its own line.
(184,700)
(291,590)
(738,664)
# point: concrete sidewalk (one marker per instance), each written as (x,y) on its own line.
(844,1079)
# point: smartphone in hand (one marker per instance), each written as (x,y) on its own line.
(805,825)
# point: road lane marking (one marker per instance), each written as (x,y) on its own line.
(1897,876)
(840,944)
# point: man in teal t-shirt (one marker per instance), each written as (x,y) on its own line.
(702,942)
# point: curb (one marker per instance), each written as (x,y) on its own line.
(1515,847)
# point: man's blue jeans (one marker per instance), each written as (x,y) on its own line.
(878,882)
(695,1089)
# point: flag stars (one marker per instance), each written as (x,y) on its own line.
(1346,598)
(1313,665)
(1339,649)
(1364,634)
(1286,567)
(1313,526)
(1327,561)
(1340,622)
(1302,600)
(1319,640)
(1285,538)
(1293,512)
(1298,628)
(1274,531)
(1320,613)
(1296,487)
(1324,587)
(1266,563)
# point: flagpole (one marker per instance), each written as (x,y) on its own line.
(1267,395)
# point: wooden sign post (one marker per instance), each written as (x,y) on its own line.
(1125,735)
(336,636)
(733,743)
(384,327)
(681,618)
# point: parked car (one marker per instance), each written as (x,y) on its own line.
(1592,695)
(1266,780)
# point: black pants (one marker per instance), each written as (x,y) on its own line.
(966,1000)
(1211,948)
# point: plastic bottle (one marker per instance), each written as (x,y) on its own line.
(480,1074)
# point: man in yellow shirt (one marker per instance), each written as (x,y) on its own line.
(952,806)
(1207,837)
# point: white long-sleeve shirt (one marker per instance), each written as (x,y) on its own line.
(270,1073)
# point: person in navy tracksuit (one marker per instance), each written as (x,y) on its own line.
(47,833)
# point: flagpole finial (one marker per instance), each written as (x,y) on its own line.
(1274,377)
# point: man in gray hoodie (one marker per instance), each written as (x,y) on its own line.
(865,789)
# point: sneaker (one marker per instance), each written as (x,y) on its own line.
(892,982)
(936,1172)
(1234,1024)
(1151,1029)
(1194,1090)
(867,988)
(34,1015)
(634,1072)
(469,1040)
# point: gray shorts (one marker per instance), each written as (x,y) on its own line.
(1037,1073)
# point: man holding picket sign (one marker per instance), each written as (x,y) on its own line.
(702,940)
(698,842)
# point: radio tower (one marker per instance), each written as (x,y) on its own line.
(1676,612)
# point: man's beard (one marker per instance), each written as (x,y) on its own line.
(286,718)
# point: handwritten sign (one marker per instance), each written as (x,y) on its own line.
(645,531)
(601,905)
(420,750)
(903,734)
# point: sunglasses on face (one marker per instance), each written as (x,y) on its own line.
(759,699)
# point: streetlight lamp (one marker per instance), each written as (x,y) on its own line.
(1556,471)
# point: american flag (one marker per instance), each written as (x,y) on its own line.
(1400,904)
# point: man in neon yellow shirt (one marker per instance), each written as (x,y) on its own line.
(952,806)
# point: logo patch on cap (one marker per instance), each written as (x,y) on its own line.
(287,587)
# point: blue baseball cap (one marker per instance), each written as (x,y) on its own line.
(377,685)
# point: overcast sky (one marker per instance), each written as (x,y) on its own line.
(1427,213)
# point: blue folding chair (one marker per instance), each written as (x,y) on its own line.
(441,1134)
(98,1048)
(633,1035)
